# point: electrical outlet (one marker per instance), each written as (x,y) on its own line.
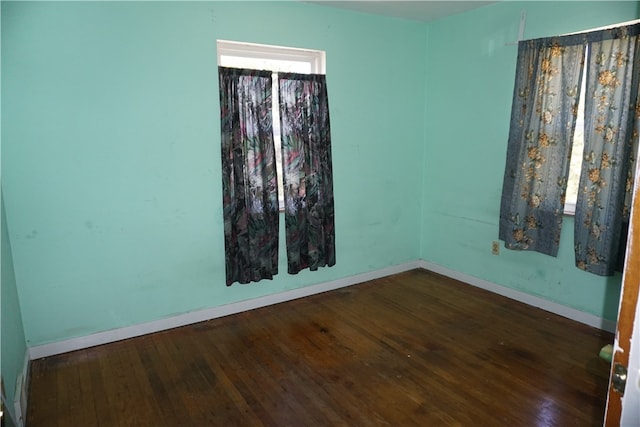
(495,248)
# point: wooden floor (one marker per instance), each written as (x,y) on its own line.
(414,349)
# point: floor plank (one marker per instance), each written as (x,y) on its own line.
(415,348)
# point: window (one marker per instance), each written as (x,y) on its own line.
(270,134)
(275,59)
(575,165)
(547,94)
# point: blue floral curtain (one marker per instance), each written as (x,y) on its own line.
(545,102)
(249,186)
(542,124)
(611,137)
(307,170)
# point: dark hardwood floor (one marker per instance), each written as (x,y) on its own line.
(414,349)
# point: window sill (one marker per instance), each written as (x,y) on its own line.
(569,209)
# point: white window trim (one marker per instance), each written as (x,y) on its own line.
(317,58)
(570,209)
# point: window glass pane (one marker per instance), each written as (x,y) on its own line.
(575,165)
(265,64)
(276,139)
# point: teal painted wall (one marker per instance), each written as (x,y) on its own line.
(469,88)
(12,338)
(111,152)
(111,164)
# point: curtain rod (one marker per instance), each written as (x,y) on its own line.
(523,18)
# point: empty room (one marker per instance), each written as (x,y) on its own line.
(293,213)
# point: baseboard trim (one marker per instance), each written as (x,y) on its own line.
(113,335)
(534,301)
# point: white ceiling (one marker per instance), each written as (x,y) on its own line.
(416,10)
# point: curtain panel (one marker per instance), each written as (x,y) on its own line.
(249,186)
(307,171)
(543,116)
(611,141)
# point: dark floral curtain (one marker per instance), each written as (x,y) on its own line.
(545,102)
(611,138)
(307,170)
(249,186)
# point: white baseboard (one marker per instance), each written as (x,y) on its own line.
(550,306)
(113,335)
